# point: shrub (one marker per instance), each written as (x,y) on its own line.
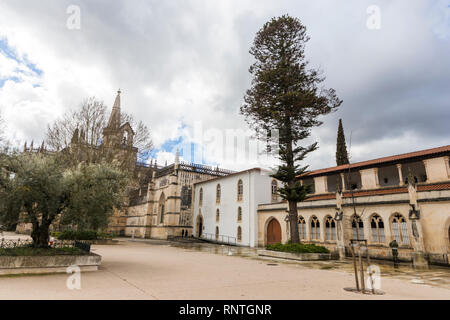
(30,251)
(78,235)
(297,248)
(55,234)
(82,235)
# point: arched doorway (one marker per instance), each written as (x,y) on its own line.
(199,226)
(273,232)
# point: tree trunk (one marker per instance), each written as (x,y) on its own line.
(40,235)
(293,222)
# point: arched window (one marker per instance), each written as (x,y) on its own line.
(358,228)
(274,190)
(301,227)
(162,204)
(217,215)
(315,228)
(218,193)
(400,229)
(239,234)
(239,215)
(330,228)
(240,190)
(201,196)
(377,229)
(217,233)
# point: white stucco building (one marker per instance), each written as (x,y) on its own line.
(225,208)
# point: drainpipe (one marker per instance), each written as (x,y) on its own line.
(249,206)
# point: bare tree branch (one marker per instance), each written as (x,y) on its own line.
(90,118)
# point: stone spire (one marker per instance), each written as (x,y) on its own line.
(75,136)
(31,146)
(25,147)
(177,159)
(82,136)
(114,119)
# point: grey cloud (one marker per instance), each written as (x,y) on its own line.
(392,81)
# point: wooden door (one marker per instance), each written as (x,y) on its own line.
(273,232)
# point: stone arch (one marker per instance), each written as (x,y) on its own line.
(274,190)
(377,228)
(272,231)
(199,224)
(239,215)
(399,228)
(218,193)
(200,200)
(315,228)
(240,190)
(330,227)
(217,233)
(239,233)
(358,224)
(302,228)
(161,208)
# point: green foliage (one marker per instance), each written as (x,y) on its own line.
(95,190)
(78,235)
(288,97)
(31,251)
(55,234)
(43,187)
(297,248)
(36,190)
(82,235)
(341,147)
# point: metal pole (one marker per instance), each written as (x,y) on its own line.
(368,265)
(354,266)
(361,269)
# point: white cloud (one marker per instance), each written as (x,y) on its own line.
(178,62)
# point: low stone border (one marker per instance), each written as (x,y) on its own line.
(298,256)
(47,264)
(103,241)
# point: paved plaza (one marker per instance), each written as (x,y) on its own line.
(146,269)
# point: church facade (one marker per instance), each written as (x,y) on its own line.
(161,206)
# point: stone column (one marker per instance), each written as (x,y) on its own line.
(340,242)
(425,163)
(447,164)
(288,228)
(343,181)
(400,175)
(415,224)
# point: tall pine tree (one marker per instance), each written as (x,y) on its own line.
(341,147)
(287,96)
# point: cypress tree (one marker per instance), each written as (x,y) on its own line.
(341,147)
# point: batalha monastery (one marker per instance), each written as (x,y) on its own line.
(403,197)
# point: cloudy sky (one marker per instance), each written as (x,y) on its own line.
(183,64)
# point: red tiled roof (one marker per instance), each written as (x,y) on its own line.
(379,192)
(379,161)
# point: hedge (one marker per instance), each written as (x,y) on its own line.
(297,248)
